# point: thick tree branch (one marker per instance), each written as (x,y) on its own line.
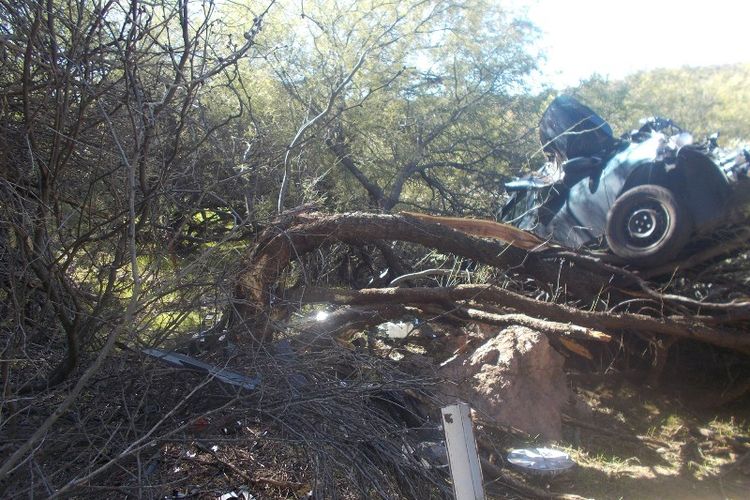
(331,99)
(297,235)
(339,148)
(674,326)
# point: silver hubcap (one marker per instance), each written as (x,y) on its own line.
(642,223)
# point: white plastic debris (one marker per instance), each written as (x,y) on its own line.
(541,460)
(396,330)
(242,494)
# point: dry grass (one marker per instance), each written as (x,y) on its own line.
(685,451)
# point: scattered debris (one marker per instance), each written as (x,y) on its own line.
(241,494)
(546,461)
(221,374)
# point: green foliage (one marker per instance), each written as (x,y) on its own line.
(431,117)
(702,100)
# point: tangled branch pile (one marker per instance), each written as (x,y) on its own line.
(144,146)
(609,298)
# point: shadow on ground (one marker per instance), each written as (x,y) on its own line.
(634,441)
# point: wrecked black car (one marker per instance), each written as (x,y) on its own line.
(644,195)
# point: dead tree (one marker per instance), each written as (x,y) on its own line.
(586,279)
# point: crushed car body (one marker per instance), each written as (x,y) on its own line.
(644,196)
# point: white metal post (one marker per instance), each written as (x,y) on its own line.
(462,452)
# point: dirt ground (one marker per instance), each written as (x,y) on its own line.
(629,441)
(634,441)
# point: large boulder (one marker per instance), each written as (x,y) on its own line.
(515,378)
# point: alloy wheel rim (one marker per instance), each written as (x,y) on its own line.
(647,225)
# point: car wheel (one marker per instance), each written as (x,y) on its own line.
(647,226)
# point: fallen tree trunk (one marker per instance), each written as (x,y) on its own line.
(674,326)
(299,234)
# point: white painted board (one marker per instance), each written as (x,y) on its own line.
(462,452)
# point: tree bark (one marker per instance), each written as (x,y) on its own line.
(674,326)
(298,234)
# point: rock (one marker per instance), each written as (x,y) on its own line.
(515,379)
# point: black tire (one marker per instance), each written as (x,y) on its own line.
(647,226)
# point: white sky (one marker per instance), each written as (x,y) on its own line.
(615,38)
